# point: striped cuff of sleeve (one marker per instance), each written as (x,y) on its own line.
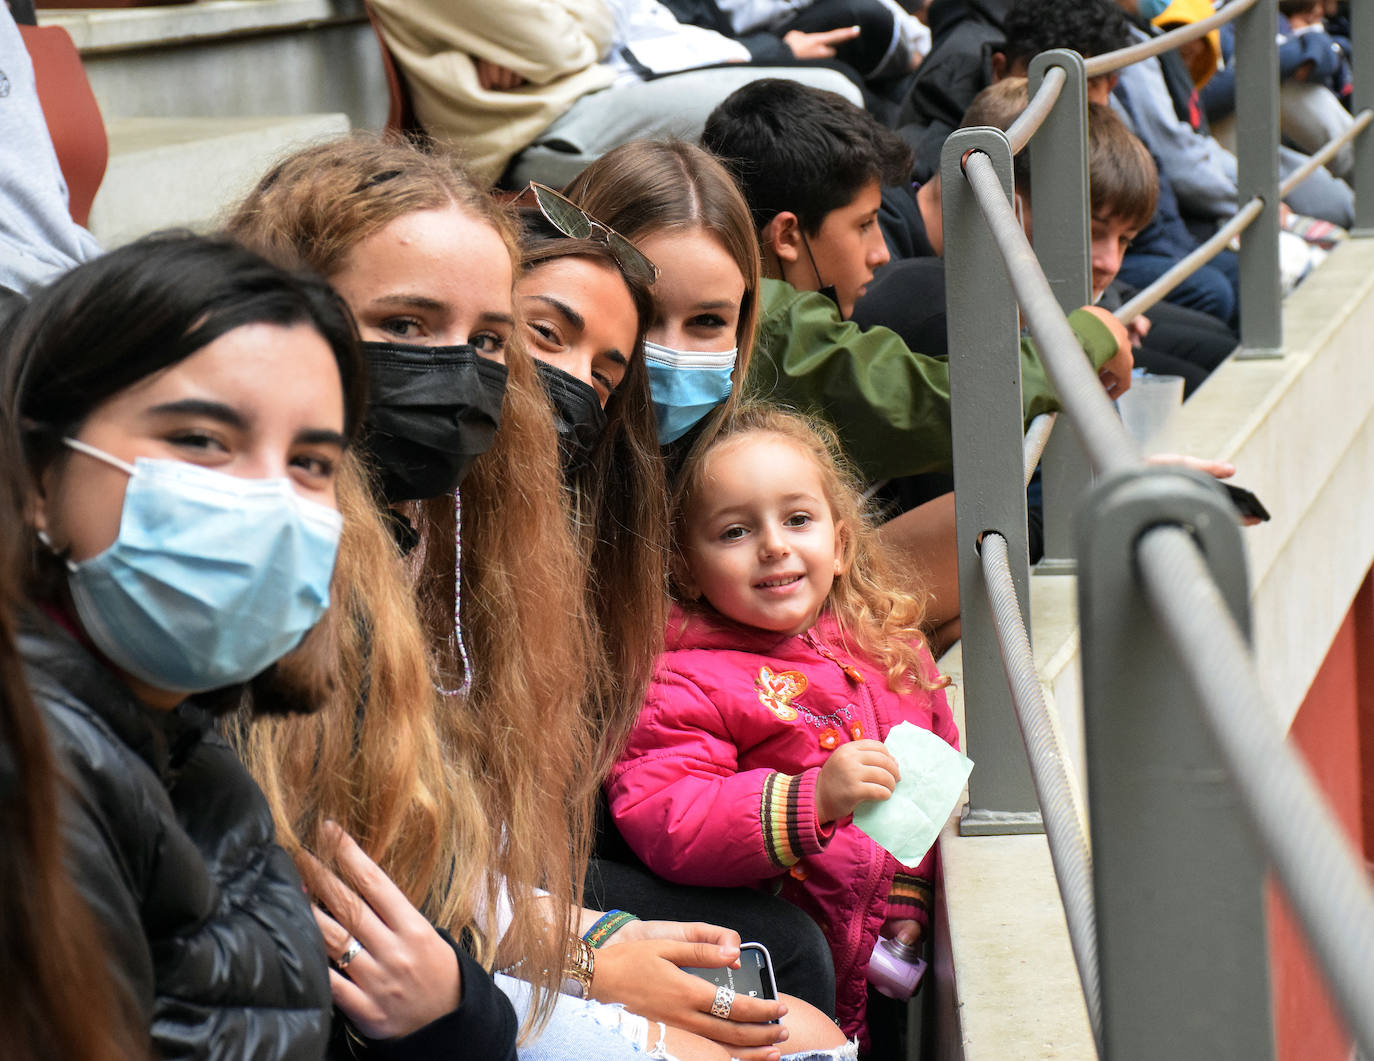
(910,897)
(788,817)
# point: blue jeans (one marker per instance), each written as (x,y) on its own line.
(581,1029)
(1212,289)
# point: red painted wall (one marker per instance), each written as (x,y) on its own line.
(1334,729)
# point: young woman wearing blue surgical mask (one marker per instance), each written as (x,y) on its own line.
(680,208)
(183,408)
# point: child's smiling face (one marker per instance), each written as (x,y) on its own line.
(760,541)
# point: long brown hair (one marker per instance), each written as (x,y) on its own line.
(60,1001)
(517,742)
(620,496)
(882,621)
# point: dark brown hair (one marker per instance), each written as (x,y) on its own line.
(60,1002)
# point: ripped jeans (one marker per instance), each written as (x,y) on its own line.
(581,1029)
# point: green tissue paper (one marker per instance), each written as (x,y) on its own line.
(933,776)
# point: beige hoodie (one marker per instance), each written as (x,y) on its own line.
(554,45)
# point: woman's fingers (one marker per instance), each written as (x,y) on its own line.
(376,888)
(346,952)
(343,904)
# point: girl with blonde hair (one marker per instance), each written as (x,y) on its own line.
(790,657)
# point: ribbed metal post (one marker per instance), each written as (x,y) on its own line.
(1257,148)
(1178,879)
(985,382)
(1059,187)
(1362,29)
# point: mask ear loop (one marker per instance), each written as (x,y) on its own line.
(466,687)
(828,290)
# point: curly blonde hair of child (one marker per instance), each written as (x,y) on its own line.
(880,621)
(475,789)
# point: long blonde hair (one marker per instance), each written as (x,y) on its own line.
(881,621)
(450,792)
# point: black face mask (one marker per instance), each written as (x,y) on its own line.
(577,414)
(433,410)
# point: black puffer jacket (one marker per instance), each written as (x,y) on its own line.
(959,66)
(171,843)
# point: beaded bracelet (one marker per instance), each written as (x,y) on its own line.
(607,925)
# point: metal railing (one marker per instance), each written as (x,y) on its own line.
(1193,791)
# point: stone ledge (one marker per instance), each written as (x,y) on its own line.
(99,31)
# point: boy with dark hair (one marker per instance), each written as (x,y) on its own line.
(811,166)
(1035,26)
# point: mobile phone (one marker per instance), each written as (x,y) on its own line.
(1247,504)
(753,978)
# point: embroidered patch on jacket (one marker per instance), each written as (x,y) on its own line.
(778,690)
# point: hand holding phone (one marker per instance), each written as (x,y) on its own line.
(753,978)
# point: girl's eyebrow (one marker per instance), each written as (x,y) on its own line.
(319,436)
(400,298)
(217,411)
(566,311)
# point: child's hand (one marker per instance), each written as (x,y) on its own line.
(906,929)
(858,771)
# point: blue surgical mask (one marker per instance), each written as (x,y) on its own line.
(1150,10)
(685,386)
(212,577)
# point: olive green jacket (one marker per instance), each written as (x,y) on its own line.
(889,405)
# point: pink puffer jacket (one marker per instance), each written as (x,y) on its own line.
(717,783)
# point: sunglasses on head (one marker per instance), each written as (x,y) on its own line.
(574,222)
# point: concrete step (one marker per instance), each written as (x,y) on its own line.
(169,172)
(225,58)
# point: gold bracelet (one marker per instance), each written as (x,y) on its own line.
(581,963)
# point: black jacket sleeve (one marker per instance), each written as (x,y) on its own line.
(483,1025)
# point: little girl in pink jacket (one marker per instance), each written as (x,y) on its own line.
(787,663)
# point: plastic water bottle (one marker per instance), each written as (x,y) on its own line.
(896,968)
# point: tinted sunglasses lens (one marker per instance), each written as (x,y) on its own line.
(566,217)
(631,258)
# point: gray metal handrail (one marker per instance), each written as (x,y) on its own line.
(1327,884)
(1151,529)
(1191,263)
(1326,153)
(1080,392)
(1038,108)
(1037,437)
(1110,62)
(1068,844)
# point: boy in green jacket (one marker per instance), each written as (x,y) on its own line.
(812,167)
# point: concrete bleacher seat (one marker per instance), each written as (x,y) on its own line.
(166,172)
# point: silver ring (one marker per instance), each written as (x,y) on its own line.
(353,949)
(724,1003)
